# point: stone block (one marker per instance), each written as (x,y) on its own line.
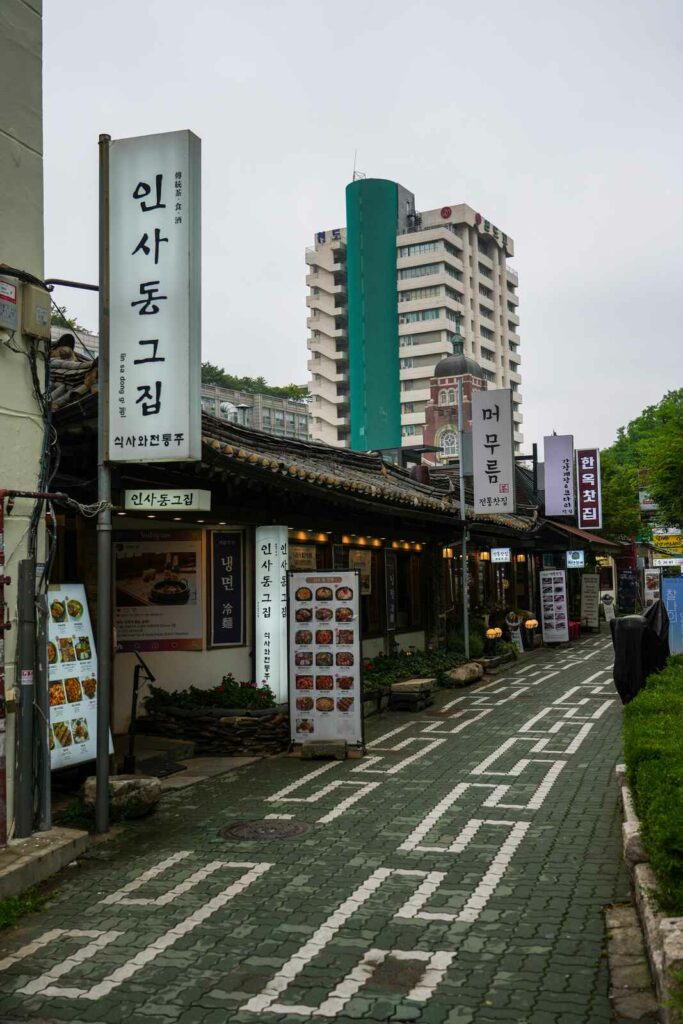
(314,749)
(413,686)
(634,851)
(130,796)
(468,673)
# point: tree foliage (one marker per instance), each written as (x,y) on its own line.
(647,455)
(212,374)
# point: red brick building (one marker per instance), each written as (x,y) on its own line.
(441,412)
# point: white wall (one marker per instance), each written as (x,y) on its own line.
(21,246)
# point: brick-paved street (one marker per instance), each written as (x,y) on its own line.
(457,874)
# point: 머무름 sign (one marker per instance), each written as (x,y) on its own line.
(492,451)
(154,282)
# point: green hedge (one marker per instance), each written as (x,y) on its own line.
(653,751)
(228,694)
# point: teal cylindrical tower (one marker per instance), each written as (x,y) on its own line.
(374,385)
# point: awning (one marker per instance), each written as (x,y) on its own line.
(588,538)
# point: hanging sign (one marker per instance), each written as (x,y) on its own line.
(590,600)
(554,621)
(72,675)
(155,344)
(493,451)
(501,555)
(390,578)
(589,495)
(672,596)
(271,564)
(226,588)
(576,559)
(325,695)
(362,560)
(558,458)
(652,580)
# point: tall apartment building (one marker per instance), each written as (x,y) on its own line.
(382,307)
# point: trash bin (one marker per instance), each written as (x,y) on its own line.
(641,647)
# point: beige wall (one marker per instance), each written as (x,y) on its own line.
(21,246)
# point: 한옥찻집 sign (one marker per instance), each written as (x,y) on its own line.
(588,493)
(154,285)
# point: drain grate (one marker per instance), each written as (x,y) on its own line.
(264,830)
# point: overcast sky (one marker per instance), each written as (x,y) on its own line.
(561,123)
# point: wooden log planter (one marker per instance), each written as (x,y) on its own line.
(222,732)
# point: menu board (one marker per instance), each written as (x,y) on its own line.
(554,606)
(325,697)
(652,581)
(72,674)
(590,600)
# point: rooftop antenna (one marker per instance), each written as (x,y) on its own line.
(357,175)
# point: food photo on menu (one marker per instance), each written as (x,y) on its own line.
(155,574)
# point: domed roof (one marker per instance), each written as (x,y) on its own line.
(457,365)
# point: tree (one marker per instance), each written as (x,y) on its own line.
(212,374)
(664,452)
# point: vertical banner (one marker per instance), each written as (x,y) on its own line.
(325,698)
(672,596)
(652,579)
(590,600)
(390,576)
(226,588)
(588,493)
(554,621)
(72,675)
(271,563)
(493,451)
(155,325)
(558,460)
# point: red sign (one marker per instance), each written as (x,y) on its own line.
(446,212)
(589,497)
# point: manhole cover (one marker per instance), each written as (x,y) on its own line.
(264,829)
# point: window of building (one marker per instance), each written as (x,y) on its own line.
(408,430)
(484,270)
(448,440)
(452,294)
(408,407)
(513,346)
(407,385)
(486,332)
(279,416)
(512,326)
(450,315)
(303,422)
(406,363)
(486,292)
(418,248)
(419,293)
(514,366)
(511,307)
(452,272)
(514,386)
(425,270)
(487,353)
(485,311)
(487,375)
(447,396)
(418,315)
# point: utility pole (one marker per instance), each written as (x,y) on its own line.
(461,475)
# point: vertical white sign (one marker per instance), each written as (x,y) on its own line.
(325,699)
(154,280)
(558,459)
(590,600)
(492,451)
(554,606)
(271,564)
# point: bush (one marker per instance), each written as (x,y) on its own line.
(380,672)
(228,694)
(653,751)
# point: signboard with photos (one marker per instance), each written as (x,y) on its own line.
(325,691)
(554,618)
(72,677)
(558,458)
(155,301)
(652,583)
(493,451)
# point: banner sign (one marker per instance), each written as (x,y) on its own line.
(271,564)
(501,555)
(576,559)
(590,600)
(646,502)
(652,579)
(325,696)
(558,459)
(390,577)
(72,675)
(158,590)
(155,343)
(554,621)
(667,562)
(589,496)
(226,588)
(669,539)
(493,451)
(672,596)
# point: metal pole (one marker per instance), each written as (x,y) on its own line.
(534,453)
(43,718)
(26,664)
(461,474)
(4,626)
(104,614)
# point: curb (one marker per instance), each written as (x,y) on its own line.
(663,936)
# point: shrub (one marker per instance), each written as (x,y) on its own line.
(228,694)
(653,751)
(380,672)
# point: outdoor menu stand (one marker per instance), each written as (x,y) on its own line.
(411,695)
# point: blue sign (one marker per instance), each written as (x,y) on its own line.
(226,588)
(672,596)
